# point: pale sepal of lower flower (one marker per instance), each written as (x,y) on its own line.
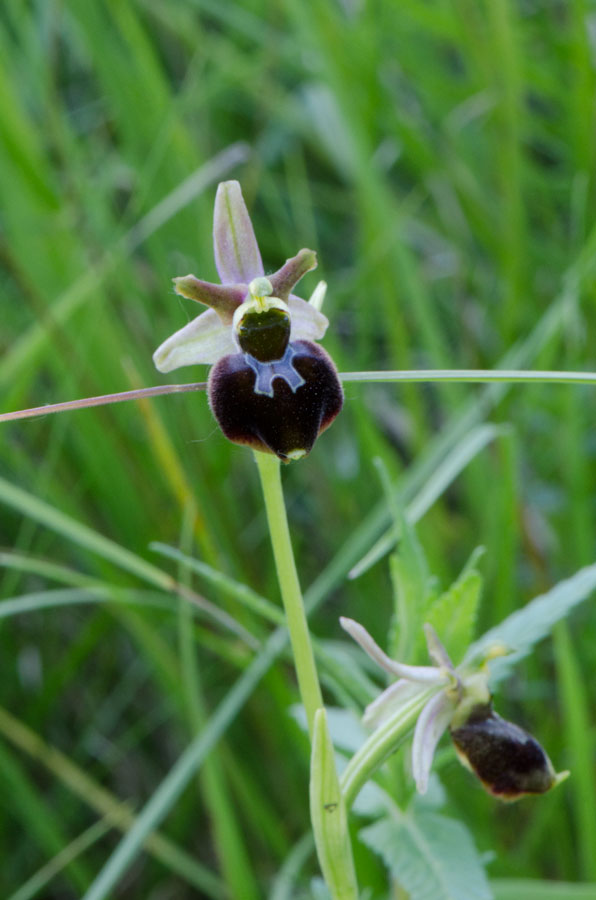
(413,681)
(508,761)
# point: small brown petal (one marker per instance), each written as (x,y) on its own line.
(223,298)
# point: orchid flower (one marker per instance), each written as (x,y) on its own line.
(271,386)
(508,761)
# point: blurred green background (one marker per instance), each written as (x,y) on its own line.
(439,157)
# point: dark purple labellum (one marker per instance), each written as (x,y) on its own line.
(508,761)
(287,423)
(265,335)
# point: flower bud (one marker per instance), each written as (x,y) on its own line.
(508,761)
(277,407)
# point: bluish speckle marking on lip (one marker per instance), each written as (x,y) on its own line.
(280,368)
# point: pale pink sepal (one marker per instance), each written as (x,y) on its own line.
(307,323)
(432,722)
(395,696)
(204,340)
(237,254)
(421,674)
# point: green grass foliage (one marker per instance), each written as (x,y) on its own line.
(439,155)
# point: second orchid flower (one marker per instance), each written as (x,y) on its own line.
(507,760)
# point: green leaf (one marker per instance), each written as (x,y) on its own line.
(453,614)
(411,589)
(94,542)
(328,815)
(409,568)
(40,879)
(525,627)
(432,857)
(186,766)
(524,889)
(241,592)
(446,469)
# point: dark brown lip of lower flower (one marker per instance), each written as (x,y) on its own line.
(509,762)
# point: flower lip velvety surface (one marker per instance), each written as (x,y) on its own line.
(286,423)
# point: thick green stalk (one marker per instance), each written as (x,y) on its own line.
(308,681)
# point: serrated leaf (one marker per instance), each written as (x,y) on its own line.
(409,565)
(525,627)
(432,857)
(409,568)
(453,614)
(411,590)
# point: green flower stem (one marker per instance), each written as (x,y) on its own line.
(478,376)
(308,680)
(381,744)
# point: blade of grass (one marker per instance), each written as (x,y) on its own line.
(527,889)
(24,351)
(98,544)
(46,569)
(103,400)
(284,886)
(580,748)
(507,65)
(231,851)
(183,770)
(40,879)
(102,801)
(37,819)
(52,599)
(259,605)
(473,376)
(443,476)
